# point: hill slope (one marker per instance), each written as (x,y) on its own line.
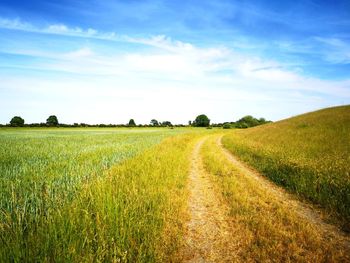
(308,154)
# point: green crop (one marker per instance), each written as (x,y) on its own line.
(42,171)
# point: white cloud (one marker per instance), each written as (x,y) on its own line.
(171,80)
(80,53)
(337,51)
(15,24)
(57,29)
(330,49)
(163,42)
(173,61)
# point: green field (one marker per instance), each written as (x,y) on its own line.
(123,195)
(308,154)
(44,172)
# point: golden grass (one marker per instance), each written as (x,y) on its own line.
(119,196)
(309,155)
(267,229)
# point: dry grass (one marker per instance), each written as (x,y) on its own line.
(121,198)
(309,155)
(208,231)
(266,227)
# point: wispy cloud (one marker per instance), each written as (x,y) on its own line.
(171,72)
(174,61)
(328,49)
(331,49)
(57,29)
(335,50)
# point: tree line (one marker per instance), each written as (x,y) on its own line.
(18,121)
(200,121)
(52,121)
(245,122)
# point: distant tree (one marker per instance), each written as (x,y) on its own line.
(52,121)
(249,121)
(226,126)
(262,120)
(201,121)
(17,121)
(154,122)
(190,123)
(167,124)
(132,123)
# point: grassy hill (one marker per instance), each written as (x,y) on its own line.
(308,154)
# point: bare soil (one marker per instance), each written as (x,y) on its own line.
(306,211)
(211,235)
(209,231)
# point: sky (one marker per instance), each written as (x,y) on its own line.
(108,61)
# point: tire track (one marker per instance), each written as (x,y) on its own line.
(209,231)
(305,211)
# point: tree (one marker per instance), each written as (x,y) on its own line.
(17,121)
(167,123)
(247,121)
(262,120)
(227,125)
(201,121)
(154,122)
(132,123)
(52,121)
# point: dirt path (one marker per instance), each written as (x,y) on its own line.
(209,231)
(305,211)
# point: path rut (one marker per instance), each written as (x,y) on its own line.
(210,233)
(304,210)
(209,230)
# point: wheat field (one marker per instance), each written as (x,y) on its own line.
(274,193)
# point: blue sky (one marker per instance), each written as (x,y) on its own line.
(109,61)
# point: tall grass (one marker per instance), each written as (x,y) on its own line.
(60,202)
(308,154)
(265,227)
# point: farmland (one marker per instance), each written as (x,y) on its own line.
(307,154)
(267,224)
(45,171)
(174,131)
(174,195)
